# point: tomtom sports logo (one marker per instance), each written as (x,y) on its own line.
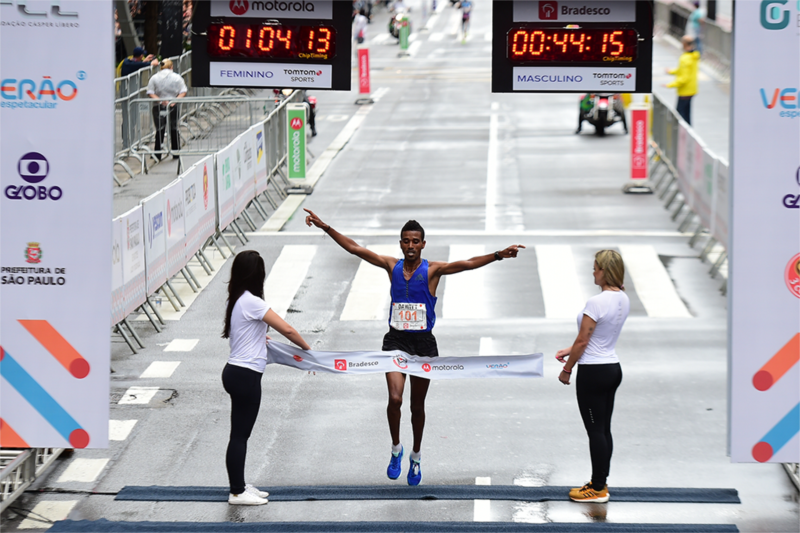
(774,17)
(28,94)
(426,367)
(297,358)
(301,72)
(400,362)
(787,98)
(792,201)
(240,7)
(340,364)
(33,168)
(792,275)
(548,10)
(33,254)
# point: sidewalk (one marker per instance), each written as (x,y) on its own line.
(711,106)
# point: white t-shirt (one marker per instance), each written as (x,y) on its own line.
(609,309)
(248,338)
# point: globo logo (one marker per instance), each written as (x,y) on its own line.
(773,17)
(33,168)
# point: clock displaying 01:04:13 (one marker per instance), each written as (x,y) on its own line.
(572,45)
(271,41)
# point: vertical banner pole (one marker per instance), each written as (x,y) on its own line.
(363,77)
(296,142)
(639,180)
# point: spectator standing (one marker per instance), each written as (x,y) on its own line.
(693,24)
(360,26)
(164,86)
(686,78)
(139,60)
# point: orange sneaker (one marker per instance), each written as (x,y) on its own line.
(589,494)
(577,490)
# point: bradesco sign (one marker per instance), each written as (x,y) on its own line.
(592,11)
(277,9)
(296,131)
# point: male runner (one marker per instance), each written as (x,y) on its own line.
(411,321)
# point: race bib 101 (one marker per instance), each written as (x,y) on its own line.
(408,316)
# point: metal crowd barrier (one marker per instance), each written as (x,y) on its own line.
(19,468)
(693,183)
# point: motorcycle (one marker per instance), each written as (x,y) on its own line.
(397,21)
(602,110)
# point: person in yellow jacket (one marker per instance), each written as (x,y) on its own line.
(686,77)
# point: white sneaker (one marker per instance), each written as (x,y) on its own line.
(253,490)
(246,498)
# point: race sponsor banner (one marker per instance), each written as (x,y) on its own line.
(363,71)
(304,9)
(572,11)
(296,140)
(484,366)
(224,182)
(199,204)
(764,242)
(117,284)
(720,220)
(574,79)
(176,236)
(56,150)
(309,76)
(259,158)
(133,261)
(639,142)
(155,241)
(244,185)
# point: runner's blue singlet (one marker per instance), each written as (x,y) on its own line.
(414,291)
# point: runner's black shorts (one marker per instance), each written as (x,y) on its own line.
(421,343)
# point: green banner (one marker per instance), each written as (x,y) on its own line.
(296,141)
(404,33)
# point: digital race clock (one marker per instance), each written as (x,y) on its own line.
(572,45)
(271,41)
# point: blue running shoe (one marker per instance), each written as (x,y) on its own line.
(414,472)
(395,465)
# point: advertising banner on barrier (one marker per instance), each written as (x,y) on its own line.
(485,366)
(259,158)
(155,241)
(56,148)
(244,184)
(764,247)
(719,226)
(117,284)
(133,269)
(224,186)
(198,204)
(176,236)
(296,140)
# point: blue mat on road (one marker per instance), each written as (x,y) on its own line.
(429,492)
(106,526)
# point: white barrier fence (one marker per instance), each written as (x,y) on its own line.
(692,181)
(155,241)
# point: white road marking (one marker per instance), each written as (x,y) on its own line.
(138,395)
(465,293)
(369,296)
(486,346)
(379,93)
(483,508)
(380,38)
(413,37)
(559,281)
(652,282)
(491,175)
(160,369)
(286,276)
(488,37)
(120,429)
(46,512)
(181,345)
(83,470)
(414,48)
(453,24)
(436,36)
(530,512)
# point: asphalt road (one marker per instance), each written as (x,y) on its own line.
(480,171)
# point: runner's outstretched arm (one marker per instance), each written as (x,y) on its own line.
(443,269)
(383,261)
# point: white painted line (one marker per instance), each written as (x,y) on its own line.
(160,369)
(488,37)
(379,93)
(380,38)
(483,508)
(453,25)
(181,345)
(491,175)
(284,212)
(436,36)
(369,296)
(413,37)
(120,429)
(83,470)
(652,282)
(45,513)
(495,106)
(486,346)
(286,276)
(465,293)
(138,395)
(559,281)
(414,48)
(360,232)
(184,291)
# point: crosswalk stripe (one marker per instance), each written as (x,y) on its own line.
(160,369)
(486,346)
(453,24)
(380,38)
(138,395)
(369,296)
(465,293)
(559,281)
(83,470)
(652,282)
(483,508)
(436,36)
(46,512)
(181,345)
(120,429)
(287,275)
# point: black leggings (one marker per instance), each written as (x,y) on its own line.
(244,386)
(596,386)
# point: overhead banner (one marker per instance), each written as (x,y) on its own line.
(484,366)
(56,148)
(764,247)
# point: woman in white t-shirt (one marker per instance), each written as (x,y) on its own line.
(247,319)
(599,325)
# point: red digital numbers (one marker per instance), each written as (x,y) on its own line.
(569,45)
(259,41)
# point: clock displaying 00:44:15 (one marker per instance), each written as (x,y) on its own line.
(571,45)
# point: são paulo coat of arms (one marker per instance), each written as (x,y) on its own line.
(33,254)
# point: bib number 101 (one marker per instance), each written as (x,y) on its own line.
(407,316)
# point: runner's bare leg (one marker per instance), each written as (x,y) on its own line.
(396,382)
(419,390)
